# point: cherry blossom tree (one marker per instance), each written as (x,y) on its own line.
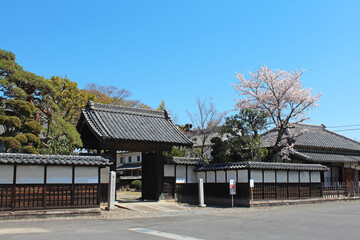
(280,94)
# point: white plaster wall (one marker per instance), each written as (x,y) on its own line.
(192,174)
(59,174)
(304,176)
(6,174)
(126,156)
(293,177)
(256,175)
(180,174)
(210,176)
(29,174)
(269,176)
(243,176)
(220,176)
(201,175)
(169,170)
(315,177)
(86,175)
(231,175)
(281,176)
(104,175)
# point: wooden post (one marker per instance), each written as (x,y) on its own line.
(310,184)
(44,188)
(287,184)
(276,195)
(263,185)
(299,184)
(13,192)
(99,186)
(73,187)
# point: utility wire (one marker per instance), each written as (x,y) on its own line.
(343,130)
(344,126)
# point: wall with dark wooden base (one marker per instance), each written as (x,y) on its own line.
(49,196)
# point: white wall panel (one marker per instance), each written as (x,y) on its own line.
(256,175)
(192,174)
(315,177)
(269,176)
(293,177)
(243,176)
(29,174)
(169,170)
(304,176)
(210,176)
(59,174)
(220,176)
(6,174)
(200,175)
(180,174)
(281,176)
(86,175)
(231,175)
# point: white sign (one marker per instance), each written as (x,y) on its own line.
(252,183)
(232,187)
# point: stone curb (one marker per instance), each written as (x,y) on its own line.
(15,215)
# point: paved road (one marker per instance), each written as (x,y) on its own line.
(338,220)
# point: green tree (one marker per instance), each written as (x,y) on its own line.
(175,152)
(34,94)
(21,131)
(69,98)
(242,140)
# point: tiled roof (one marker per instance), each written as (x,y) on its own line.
(314,136)
(197,138)
(129,166)
(36,159)
(114,122)
(184,161)
(262,165)
(326,156)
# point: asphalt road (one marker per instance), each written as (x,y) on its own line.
(338,220)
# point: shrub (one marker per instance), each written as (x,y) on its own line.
(33,127)
(21,138)
(136,184)
(30,149)
(12,143)
(33,139)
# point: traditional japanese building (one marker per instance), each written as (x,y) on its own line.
(316,144)
(113,128)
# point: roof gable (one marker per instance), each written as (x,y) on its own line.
(314,136)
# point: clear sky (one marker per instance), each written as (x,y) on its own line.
(177,50)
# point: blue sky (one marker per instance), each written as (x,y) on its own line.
(178,50)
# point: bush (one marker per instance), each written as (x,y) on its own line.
(12,143)
(21,138)
(30,149)
(32,127)
(136,184)
(34,140)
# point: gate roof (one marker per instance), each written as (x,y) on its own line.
(104,126)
